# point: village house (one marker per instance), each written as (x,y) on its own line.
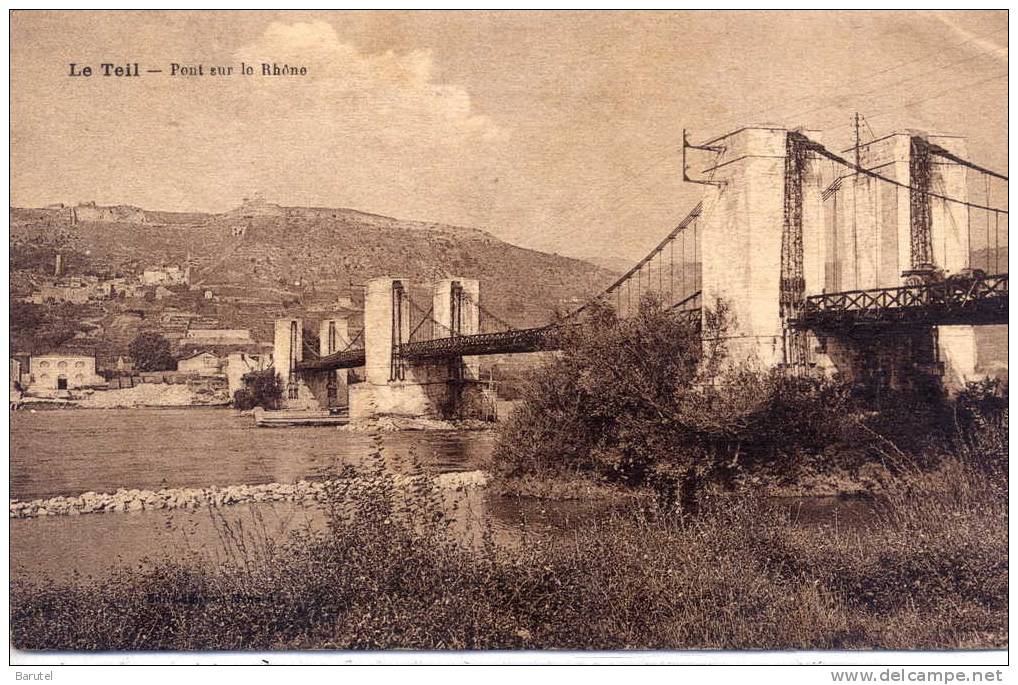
(77,294)
(203,363)
(62,371)
(217,336)
(240,363)
(170,275)
(80,290)
(19,367)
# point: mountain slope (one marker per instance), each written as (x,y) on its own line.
(264,260)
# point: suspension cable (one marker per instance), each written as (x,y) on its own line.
(823,151)
(623,280)
(941,152)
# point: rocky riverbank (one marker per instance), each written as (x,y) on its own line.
(147,395)
(304,491)
(406,423)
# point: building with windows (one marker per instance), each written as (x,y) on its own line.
(169,275)
(62,372)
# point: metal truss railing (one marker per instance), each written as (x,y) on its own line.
(350,357)
(347,359)
(503,342)
(544,338)
(953,301)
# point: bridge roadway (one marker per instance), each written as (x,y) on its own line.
(504,342)
(980,300)
(514,341)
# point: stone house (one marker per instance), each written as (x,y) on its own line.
(62,372)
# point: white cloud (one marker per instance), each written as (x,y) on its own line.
(395,93)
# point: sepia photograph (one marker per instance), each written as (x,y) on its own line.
(510,337)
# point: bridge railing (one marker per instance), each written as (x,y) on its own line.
(959,300)
(348,358)
(503,342)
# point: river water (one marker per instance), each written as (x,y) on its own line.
(68,452)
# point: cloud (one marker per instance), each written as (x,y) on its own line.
(394,94)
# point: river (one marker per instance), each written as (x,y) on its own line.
(71,451)
(68,452)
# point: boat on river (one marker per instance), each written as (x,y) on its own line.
(301,417)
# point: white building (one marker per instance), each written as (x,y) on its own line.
(170,275)
(203,363)
(218,336)
(240,363)
(62,372)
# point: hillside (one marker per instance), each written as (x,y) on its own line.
(263,260)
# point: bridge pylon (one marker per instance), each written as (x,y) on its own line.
(890,234)
(397,386)
(778,227)
(334,336)
(287,353)
(743,239)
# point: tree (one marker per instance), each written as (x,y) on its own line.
(151,352)
(643,399)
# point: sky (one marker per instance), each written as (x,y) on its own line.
(559,131)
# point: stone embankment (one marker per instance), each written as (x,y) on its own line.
(304,492)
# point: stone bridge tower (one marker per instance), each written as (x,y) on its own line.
(395,385)
(780,226)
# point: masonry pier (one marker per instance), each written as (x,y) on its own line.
(792,232)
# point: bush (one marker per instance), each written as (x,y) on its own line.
(646,400)
(929,572)
(981,437)
(606,402)
(635,400)
(261,389)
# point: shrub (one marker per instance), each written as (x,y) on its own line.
(646,400)
(391,571)
(261,389)
(981,436)
(639,400)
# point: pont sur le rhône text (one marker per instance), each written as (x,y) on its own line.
(175,69)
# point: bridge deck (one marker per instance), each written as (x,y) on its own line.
(973,301)
(516,341)
(504,342)
(347,359)
(955,302)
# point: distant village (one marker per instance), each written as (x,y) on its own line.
(151,283)
(210,361)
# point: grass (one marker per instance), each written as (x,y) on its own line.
(928,572)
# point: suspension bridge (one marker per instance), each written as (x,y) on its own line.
(878,262)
